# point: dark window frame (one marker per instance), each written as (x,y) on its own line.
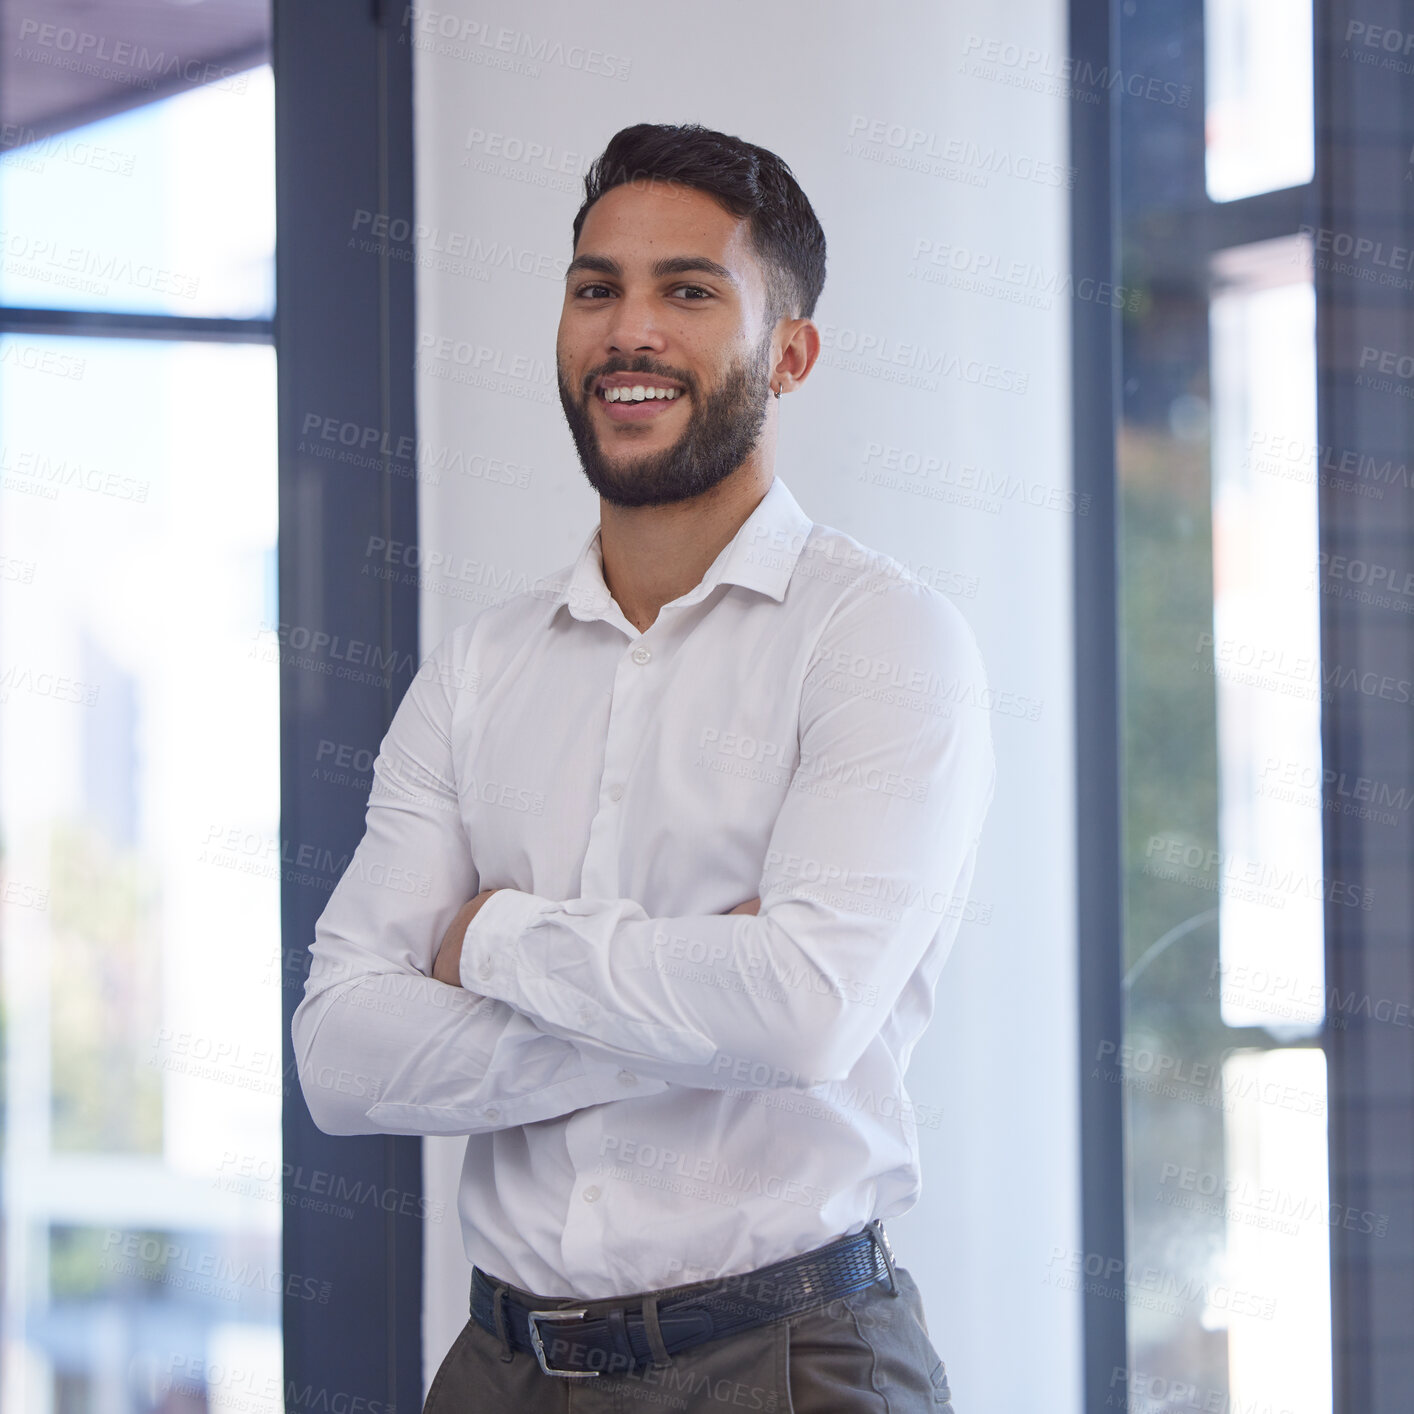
(344,334)
(1093,39)
(1365,188)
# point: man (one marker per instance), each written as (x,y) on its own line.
(662,861)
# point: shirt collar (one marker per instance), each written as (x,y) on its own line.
(761,556)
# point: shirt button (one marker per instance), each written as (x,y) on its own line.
(617,793)
(627,1077)
(591,1194)
(492,1113)
(642,654)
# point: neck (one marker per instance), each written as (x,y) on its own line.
(654,554)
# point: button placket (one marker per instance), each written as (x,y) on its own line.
(629,702)
(582,1241)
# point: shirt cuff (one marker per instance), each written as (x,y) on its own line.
(490,960)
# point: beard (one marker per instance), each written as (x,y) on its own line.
(721,433)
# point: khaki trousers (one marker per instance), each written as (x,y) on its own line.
(869,1351)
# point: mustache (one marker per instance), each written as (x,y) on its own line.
(641,364)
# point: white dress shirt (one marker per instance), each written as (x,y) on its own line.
(656,1092)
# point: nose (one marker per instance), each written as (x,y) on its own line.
(634,327)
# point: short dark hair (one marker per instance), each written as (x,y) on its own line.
(748,181)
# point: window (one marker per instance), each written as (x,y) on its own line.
(139,730)
(1260,89)
(1220,1063)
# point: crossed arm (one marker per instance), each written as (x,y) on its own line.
(447,967)
(426,1013)
(383,1045)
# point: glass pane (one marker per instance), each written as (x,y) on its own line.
(165,209)
(1227,1275)
(1260,104)
(139,911)
(1276,1205)
(1266,647)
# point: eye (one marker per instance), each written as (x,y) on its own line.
(694,291)
(592,292)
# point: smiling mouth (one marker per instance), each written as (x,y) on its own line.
(638,393)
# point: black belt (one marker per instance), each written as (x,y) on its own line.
(599,1337)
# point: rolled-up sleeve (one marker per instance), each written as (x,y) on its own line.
(868,866)
(381,1046)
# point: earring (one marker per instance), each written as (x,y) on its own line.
(777,392)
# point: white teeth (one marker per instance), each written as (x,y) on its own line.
(638,394)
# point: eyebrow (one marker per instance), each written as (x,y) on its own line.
(668,265)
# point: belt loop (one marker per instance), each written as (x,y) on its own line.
(498,1296)
(876,1231)
(655,1332)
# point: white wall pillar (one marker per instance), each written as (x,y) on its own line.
(936,427)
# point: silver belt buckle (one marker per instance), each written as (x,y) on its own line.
(881,1241)
(539,1346)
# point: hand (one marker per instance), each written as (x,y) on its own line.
(752,905)
(447,966)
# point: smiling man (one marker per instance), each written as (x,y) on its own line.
(662,861)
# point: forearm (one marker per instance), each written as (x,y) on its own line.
(447,967)
(399,1053)
(790,998)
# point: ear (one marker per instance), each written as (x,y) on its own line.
(799,349)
